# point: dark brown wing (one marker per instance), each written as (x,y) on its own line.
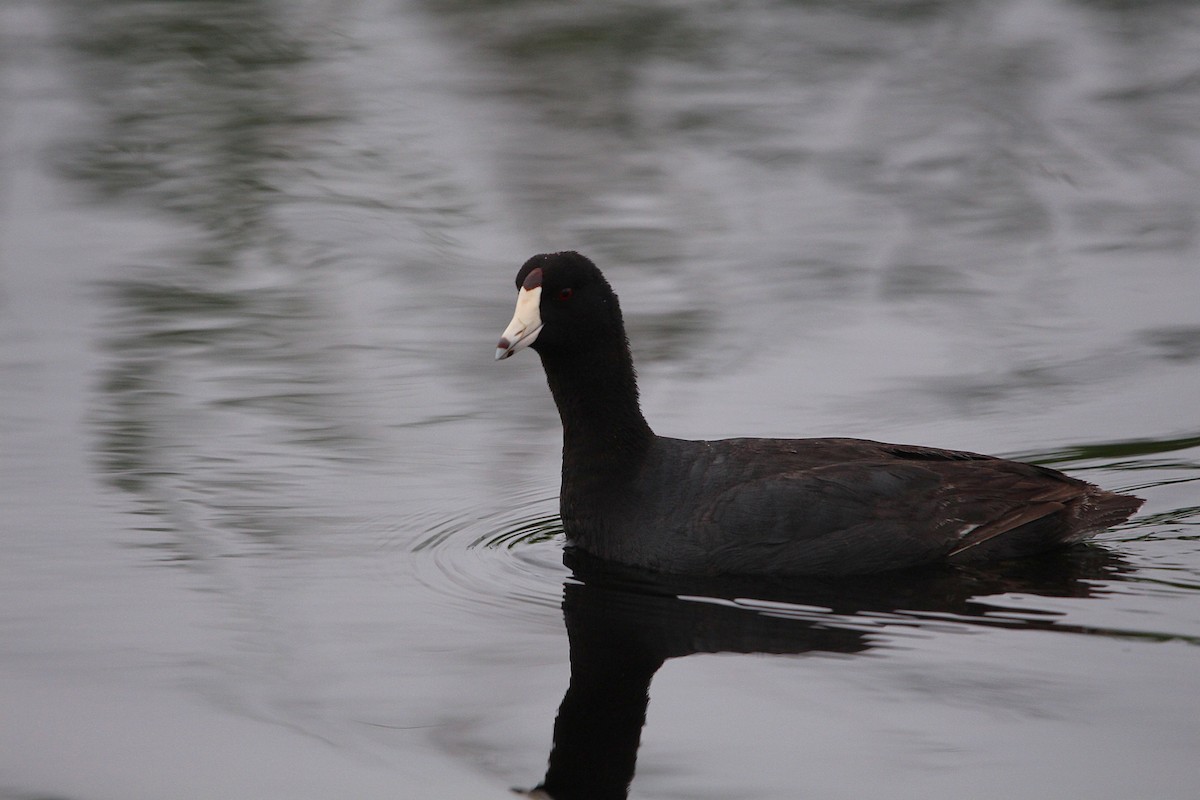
(877,515)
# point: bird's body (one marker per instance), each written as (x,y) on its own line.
(824,506)
(765,506)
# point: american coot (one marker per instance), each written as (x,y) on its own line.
(764,506)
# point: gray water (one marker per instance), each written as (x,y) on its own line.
(275,526)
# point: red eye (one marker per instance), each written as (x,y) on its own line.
(565,294)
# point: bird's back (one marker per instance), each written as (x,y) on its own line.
(832,506)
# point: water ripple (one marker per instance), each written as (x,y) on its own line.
(506,559)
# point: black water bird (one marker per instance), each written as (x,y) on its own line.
(765,506)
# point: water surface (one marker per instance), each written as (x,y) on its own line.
(275,526)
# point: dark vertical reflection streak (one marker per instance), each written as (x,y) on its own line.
(624,624)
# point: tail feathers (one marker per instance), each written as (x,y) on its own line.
(1046,526)
(1099,509)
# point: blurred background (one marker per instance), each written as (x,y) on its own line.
(274,524)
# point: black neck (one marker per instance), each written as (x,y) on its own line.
(597,398)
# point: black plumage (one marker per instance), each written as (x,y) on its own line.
(765,506)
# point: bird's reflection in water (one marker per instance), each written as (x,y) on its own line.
(623,624)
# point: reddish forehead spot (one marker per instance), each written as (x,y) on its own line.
(534,279)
